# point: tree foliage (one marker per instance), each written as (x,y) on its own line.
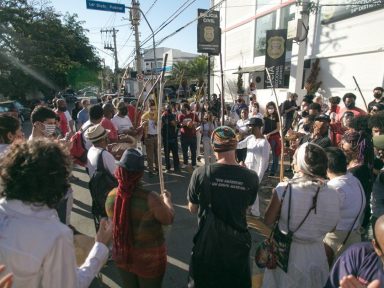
(193,70)
(42,50)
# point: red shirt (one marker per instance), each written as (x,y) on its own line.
(63,122)
(107,124)
(355,110)
(188,132)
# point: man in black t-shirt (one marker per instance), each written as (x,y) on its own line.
(379,99)
(233,189)
(169,135)
(288,110)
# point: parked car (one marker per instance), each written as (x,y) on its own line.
(90,94)
(169,93)
(15,109)
(70,97)
(25,111)
(92,100)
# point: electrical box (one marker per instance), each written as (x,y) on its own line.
(295,29)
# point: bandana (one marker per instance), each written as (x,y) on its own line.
(223,139)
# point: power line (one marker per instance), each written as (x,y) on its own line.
(169,19)
(189,23)
(125,43)
(149,9)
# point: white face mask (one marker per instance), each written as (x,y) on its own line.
(49,129)
(270,111)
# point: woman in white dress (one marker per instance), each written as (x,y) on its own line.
(307,264)
(257,157)
(206,128)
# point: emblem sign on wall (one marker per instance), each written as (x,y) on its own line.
(208,32)
(275,57)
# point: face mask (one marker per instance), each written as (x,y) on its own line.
(350,105)
(377,95)
(62,109)
(307,127)
(49,129)
(270,111)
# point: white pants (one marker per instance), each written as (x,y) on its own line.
(198,141)
(209,157)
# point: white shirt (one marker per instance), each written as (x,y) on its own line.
(39,250)
(3,148)
(85,126)
(152,130)
(352,200)
(69,118)
(207,128)
(241,125)
(257,158)
(122,124)
(108,160)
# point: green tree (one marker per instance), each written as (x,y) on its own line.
(199,71)
(42,50)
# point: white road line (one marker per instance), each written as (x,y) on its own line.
(152,184)
(178,263)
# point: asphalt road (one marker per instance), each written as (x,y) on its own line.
(178,236)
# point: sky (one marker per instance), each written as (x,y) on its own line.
(162,9)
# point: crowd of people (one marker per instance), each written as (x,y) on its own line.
(332,203)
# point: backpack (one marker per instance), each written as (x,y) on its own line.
(78,150)
(220,255)
(101,183)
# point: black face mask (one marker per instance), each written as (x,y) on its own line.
(62,109)
(377,95)
(307,127)
(350,105)
(123,111)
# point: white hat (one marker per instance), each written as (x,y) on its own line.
(96,133)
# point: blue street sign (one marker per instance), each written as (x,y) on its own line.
(105,6)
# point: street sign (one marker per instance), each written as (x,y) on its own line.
(105,6)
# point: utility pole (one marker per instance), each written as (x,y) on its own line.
(299,50)
(102,75)
(113,48)
(135,19)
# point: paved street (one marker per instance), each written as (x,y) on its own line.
(179,235)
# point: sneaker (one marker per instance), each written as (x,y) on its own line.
(167,171)
(183,166)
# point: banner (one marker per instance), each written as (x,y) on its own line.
(208,32)
(275,57)
(332,13)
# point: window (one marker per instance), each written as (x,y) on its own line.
(267,22)
(287,13)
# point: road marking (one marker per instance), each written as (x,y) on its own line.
(181,206)
(167,182)
(178,263)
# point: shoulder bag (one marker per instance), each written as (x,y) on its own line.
(275,250)
(219,249)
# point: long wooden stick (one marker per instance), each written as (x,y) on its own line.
(361,94)
(281,127)
(160,102)
(229,88)
(145,99)
(138,100)
(222,89)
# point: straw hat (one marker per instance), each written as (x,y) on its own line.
(96,133)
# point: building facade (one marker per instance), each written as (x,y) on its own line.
(345,37)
